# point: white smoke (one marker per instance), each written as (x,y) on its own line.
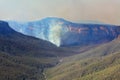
(55,33)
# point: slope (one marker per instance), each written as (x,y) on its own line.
(12,68)
(90,65)
(14,42)
(23,57)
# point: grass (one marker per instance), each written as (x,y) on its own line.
(90,65)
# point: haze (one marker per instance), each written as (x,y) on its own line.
(106,11)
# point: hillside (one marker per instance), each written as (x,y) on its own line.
(14,42)
(100,63)
(101,50)
(12,68)
(23,57)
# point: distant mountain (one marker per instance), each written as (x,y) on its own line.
(64,33)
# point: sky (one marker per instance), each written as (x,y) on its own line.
(106,11)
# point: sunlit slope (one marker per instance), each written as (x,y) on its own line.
(102,50)
(100,63)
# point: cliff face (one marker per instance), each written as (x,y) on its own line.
(65,33)
(89,34)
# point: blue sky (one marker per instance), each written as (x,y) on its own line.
(107,11)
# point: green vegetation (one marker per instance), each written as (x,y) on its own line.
(23,68)
(101,63)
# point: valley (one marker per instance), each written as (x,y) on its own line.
(59,39)
(27,57)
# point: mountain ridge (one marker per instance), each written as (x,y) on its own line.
(64,33)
